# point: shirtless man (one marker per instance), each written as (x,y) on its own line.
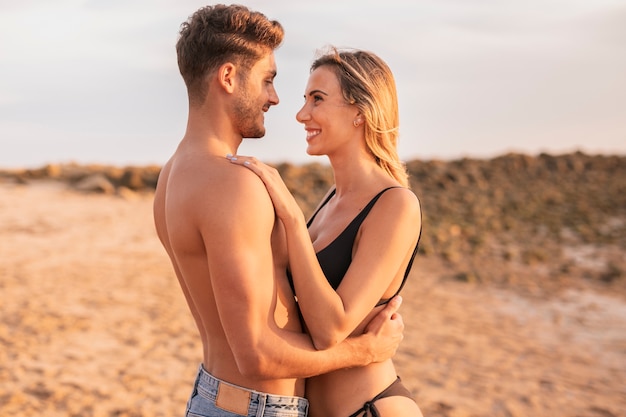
(217,224)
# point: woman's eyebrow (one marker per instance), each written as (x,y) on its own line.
(312,92)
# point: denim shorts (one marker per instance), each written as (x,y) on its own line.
(212,397)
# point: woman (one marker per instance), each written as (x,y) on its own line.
(355,252)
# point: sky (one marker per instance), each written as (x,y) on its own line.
(96,81)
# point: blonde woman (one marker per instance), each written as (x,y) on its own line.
(355,252)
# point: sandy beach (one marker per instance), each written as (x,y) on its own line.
(94,324)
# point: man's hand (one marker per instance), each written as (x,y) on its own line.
(386,330)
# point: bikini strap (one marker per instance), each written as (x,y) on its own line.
(404,279)
(395,389)
(330,195)
(408,268)
(361,214)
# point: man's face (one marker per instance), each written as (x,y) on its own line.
(255,95)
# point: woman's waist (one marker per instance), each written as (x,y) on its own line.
(344,391)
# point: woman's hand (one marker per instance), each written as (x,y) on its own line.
(285,205)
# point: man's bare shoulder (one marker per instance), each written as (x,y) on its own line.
(218,187)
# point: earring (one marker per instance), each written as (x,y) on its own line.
(356,123)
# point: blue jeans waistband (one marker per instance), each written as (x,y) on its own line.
(210,392)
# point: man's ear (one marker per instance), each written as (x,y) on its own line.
(227,76)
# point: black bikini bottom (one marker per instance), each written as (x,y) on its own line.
(397,388)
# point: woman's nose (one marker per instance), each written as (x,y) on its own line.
(302,115)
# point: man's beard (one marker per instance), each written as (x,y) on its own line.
(247,116)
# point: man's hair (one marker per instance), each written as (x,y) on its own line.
(367,82)
(217,34)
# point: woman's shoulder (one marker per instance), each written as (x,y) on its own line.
(399,193)
(399,200)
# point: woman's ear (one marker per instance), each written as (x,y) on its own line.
(358,119)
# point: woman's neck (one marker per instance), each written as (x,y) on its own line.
(356,175)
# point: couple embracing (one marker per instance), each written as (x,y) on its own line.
(295,316)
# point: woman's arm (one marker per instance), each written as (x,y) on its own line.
(385,239)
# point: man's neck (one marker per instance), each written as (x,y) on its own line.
(211,129)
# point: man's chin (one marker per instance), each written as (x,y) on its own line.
(255,135)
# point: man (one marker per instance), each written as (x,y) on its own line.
(218,226)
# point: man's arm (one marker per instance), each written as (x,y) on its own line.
(378,343)
(241,265)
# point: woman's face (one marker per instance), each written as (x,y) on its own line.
(327,118)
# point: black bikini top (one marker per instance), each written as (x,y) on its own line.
(335,258)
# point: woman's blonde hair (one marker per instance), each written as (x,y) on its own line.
(367,82)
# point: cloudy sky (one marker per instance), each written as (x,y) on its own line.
(96,80)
